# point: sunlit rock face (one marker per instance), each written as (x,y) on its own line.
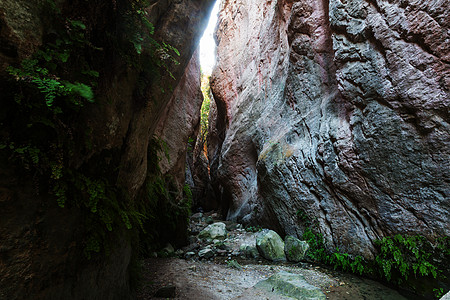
(334,113)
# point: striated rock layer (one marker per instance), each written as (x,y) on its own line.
(334,113)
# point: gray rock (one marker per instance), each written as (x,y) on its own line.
(189,255)
(270,245)
(206,253)
(214,231)
(221,245)
(209,220)
(168,249)
(295,249)
(197,216)
(191,247)
(290,285)
(446,296)
(249,251)
(222,252)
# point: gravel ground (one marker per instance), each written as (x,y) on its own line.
(216,280)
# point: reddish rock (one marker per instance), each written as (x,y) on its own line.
(180,121)
(334,113)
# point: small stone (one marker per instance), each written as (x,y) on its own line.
(209,220)
(193,268)
(168,291)
(192,239)
(189,255)
(206,253)
(197,216)
(232,226)
(179,252)
(168,249)
(221,252)
(191,247)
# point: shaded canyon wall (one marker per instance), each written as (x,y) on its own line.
(334,113)
(42,246)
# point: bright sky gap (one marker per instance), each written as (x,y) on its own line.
(207,43)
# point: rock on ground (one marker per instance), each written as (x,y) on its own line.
(295,249)
(270,245)
(214,231)
(290,285)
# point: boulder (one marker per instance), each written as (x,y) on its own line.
(446,296)
(249,251)
(295,249)
(270,245)
(214,231)
(290,285)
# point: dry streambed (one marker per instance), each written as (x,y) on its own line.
(197,277)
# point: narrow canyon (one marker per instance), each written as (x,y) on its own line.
(328,122)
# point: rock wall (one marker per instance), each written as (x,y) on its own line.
(181,121)
(335,113)
(42,246)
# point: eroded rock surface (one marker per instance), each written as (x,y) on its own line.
(334,114)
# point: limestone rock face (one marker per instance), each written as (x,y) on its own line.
(336,111)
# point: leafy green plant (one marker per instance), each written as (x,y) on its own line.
(162,54)
(405,255)
(398,259)
(234,264)
(253,228)
(204,112)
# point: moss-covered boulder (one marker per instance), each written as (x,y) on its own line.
(290,285)
(295,249)
(270,245)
